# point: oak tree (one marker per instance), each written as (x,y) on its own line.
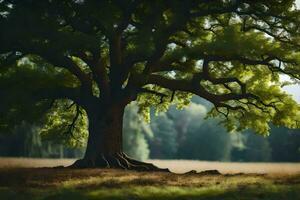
(100,55)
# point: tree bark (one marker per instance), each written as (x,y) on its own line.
(104,146)
(105,131)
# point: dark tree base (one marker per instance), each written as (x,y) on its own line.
(116,161)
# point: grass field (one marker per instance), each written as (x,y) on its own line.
(18,180)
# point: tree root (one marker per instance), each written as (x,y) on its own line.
(116,161)
(206,172)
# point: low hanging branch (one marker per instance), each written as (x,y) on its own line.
(71,127)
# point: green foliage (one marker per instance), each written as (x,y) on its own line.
(20,85)
(161,104)
(59,127)
(229,43)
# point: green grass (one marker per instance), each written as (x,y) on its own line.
(97,184)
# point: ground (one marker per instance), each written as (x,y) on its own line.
(18,180)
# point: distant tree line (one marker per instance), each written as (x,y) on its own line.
(187,134)
(25,140)
(173,134)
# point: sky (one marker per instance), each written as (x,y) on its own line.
(294,90)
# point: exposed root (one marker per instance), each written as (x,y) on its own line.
(206,172)
(116,161)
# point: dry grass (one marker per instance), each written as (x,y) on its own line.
(181,166)
(19,182)
(177,166)
(33,162)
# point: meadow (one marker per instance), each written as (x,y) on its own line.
(237,181)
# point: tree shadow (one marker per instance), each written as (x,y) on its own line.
(244,193)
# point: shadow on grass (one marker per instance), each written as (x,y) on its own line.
(158,193)
(51,184)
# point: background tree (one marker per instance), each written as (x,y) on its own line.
(101,55)
(285,144)
(208,141)
(257,148)
(135,132)
(164,143)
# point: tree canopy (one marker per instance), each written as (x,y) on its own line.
(230,52)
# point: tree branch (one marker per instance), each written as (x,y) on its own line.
(161,95)
(206,76)
(58,93)
(72,126)
(195,87)
(232,7)
(127,15)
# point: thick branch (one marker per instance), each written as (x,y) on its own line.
(232,7)
(98,67)
(58,60)
(165,64)
(58,93)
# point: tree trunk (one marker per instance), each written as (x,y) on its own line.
(104,147)
(105,132)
